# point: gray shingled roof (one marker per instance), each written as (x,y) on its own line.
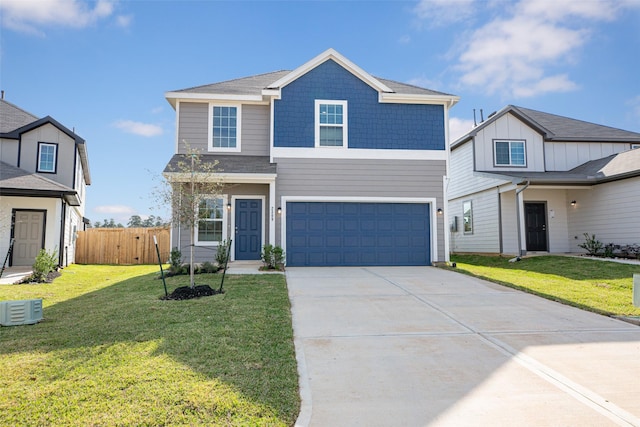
(229,163)
(18,182)
(13,117)
(559,128)
(615,167)
(253,85)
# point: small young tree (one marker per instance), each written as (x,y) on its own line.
(189,180)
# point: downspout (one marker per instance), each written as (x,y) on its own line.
(63,214)
(518,191)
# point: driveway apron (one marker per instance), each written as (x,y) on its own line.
(422,346)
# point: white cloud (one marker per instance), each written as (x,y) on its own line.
(405,39)
(513,54)
(138,128)
(28,16)
(458,127)
(124,21)
(438,13)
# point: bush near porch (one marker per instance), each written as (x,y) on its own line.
(603,287)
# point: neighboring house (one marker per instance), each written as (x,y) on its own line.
(528,181)
(44,172)
(332,164)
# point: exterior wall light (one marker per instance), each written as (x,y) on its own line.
(279,210)
(573,203)
(228,206)
(440,211)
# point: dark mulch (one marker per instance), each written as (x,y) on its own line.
(186,292)
(30,280)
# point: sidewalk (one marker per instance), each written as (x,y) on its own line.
(13,275)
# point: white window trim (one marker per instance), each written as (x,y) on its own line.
(510,164)
(55,157)
(345,121)
(635,146)
(235,149)
(464,231)
(225,215)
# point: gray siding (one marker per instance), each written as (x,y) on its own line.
(610,211)
(463,180)
(193,129)
(486,223)
(362,178)
(192,126)
(255,130)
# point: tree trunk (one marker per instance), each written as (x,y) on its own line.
(192,281)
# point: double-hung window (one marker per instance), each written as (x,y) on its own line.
(331,123)
(509,153)
(211,221)
(47,157)
(467,217)
(225,128)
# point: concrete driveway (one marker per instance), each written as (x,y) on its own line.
(418,346)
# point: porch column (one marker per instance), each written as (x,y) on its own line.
(272,212)
(520,218)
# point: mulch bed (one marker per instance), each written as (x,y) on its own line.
(186,292)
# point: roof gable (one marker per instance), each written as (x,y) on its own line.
(330,54)
(553,127)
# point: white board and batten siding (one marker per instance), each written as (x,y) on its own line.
(508,127)
(564,156)
(610,211)
(366,178)
(193,128)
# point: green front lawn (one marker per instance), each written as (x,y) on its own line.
(600,286)
(110,352)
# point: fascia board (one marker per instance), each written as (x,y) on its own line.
(172,97)
(399,98)
(320,59)
(240,178)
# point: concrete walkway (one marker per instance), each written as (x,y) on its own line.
(423,346)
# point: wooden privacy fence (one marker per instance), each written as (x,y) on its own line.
(122,246)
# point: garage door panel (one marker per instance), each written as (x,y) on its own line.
(333,233)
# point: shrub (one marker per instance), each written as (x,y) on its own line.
(207,267)
(272,257)
(175,260)
(44,264)
(609,249)
(591,245)
(221,255)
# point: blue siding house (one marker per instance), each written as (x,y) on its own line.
(336,166)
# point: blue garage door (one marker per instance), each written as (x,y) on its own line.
(357,234)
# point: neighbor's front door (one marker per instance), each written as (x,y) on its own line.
(248,219)
(28,232)
(536,225)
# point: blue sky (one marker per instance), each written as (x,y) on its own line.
(102,67)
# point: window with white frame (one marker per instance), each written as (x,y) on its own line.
(210,229)
(509,153)
(634,146)
(331,123)
(47,157)
(225,128)
(467,217)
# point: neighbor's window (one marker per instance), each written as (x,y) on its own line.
(331,123)
(47,157)
(210,221)
(634,146)
(510,153)
(225,128)
(467,217)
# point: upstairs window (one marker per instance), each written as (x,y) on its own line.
(510,153)
(331,123)
(225,128)
(47,157)
(210,228)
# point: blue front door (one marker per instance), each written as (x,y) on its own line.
(248,241)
